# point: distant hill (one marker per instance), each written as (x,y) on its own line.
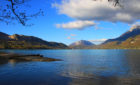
(128,40)
(82,44)
(4,36)
(27,42)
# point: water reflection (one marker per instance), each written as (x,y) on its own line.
(79,67)
(92,66)
(110,68)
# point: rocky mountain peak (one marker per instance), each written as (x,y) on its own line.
(82,43)
(134,27)
(15,36)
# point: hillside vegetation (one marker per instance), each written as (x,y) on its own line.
(27,42)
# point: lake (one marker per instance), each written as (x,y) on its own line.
(79,67)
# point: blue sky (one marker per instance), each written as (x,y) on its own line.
(45,26)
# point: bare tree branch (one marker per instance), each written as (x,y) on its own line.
(116,2)
(13,10)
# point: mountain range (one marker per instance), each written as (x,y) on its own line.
(27,42)
(128,40)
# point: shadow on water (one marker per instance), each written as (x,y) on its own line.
(95,81)
(3,61)
(106,81)
(134,62)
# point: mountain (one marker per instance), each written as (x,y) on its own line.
(3,36)
(130,39)
(131,33)
(82,44)
(27,42)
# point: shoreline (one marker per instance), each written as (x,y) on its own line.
(23,57)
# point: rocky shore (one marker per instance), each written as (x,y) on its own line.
(22,57)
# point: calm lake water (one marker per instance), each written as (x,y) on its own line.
(79,67)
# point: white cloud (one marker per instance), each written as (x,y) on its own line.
(71,36)
(98,40)
(76,25)
(100,10)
